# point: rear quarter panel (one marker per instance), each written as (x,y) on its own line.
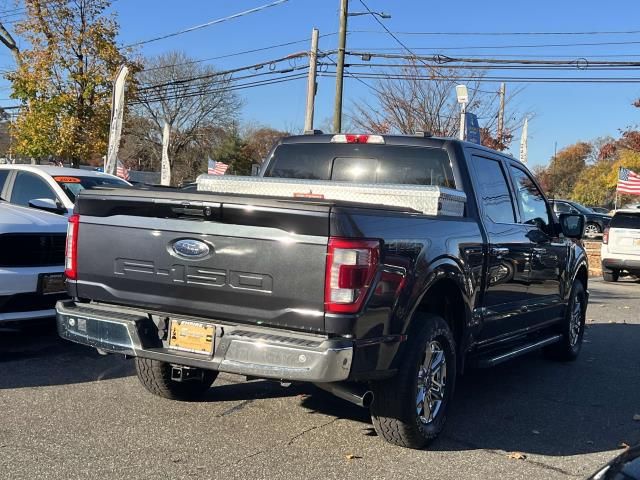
(417,251)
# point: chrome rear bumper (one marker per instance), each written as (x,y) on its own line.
(253,351)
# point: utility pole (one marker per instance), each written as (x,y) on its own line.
(501,113)
(311,84)
(342,45)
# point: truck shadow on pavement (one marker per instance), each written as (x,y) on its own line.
(540,406)
(551,408)
(34,356)
(531,404)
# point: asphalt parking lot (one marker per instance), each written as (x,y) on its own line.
(67,412)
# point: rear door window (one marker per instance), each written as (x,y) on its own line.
(493,190)
(363,163)
(3,178)
(533,208)
(28,186)
(625,220)
(561,207)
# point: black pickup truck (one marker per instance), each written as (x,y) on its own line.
(381,302)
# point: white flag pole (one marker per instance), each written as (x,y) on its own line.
(115,128)
(165,168)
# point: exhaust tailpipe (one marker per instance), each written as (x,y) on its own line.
(354,393)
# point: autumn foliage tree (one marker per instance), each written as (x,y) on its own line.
(565,169)
(63,77)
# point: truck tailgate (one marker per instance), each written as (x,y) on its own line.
(132,251)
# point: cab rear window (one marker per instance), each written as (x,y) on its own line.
(625,220)
(363,163)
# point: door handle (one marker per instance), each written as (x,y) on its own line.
(539,252)
(499,251)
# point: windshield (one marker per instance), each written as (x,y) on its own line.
(73,185)
(626,220)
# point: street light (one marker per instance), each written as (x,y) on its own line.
(463,98)
(382,15)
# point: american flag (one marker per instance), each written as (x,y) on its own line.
(628,181)
(122,171)
(216,168)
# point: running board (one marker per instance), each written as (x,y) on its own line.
(491,361)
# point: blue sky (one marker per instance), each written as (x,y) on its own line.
(564,113)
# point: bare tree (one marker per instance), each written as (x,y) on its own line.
(192,98)
(422,98)
(260,139)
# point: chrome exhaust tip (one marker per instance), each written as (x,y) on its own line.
(354,393)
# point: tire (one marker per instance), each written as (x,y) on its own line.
(568,348)
(155,376)
(611,276)
(394,411)
(592,230)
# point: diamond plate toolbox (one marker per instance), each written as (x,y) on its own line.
(427,199)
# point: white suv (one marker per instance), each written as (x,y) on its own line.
(50,188)
(32,246)
(620,250)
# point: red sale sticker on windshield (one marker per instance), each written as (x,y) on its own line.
(67,179)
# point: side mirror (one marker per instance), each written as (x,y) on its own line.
(572,225)
(48,205)
(255,170)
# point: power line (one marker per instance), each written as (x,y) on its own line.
(402,44)
(385,75)
(236,54)
(348,74)
(203,89)
(487,47)
(208,24)
(375,17)
(502,34)
(500,67)
(224,72)
(439,59)
(242,86)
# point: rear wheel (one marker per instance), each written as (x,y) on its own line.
(409,410)
(155,376)
(592,230)
(610,276)
(569,346)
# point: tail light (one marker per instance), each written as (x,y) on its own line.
(71,248)
(605,236)
(351,266)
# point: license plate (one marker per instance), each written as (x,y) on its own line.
(52,283)
(194,337)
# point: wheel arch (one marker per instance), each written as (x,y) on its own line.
(445,295)
(582,274)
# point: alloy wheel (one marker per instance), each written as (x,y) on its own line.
(575,323)
(432,379)
(591,230)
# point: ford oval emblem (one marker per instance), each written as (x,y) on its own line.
(191,248)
